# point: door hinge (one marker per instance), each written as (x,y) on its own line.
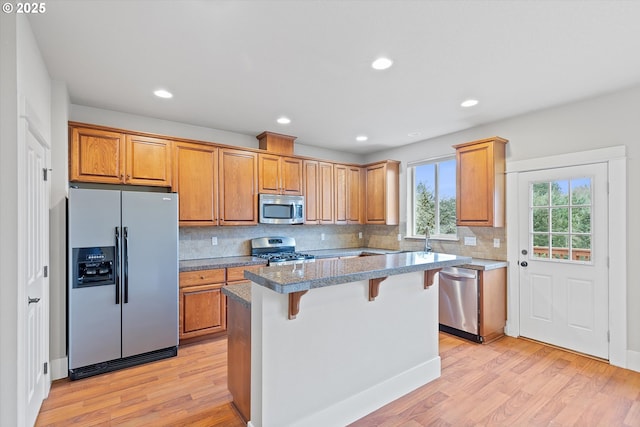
(46,367)
(608,336)
(45,173)
(46,271)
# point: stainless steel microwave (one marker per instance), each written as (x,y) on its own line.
(278,209)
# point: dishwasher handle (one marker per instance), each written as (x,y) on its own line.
(458,275)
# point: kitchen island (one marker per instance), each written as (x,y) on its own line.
(333,340)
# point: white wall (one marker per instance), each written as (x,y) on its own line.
(8,220)
(26,86)
(605,121)
(97,116)
(58,228)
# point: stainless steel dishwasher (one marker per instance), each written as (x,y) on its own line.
(458,302)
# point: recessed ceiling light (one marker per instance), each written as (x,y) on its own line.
(283,120)
(161,93)
(381,63)
(361,138)
(469,103)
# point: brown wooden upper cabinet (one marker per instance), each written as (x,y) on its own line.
(238,185)
(382,190)
(111,157)
(195,179)
(280,174)
(318,190)
(480,182)
(348,194)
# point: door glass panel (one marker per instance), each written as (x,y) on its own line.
(560,220)
(541,194)
(560,193)
(540,219)
(561,223)
(540,245)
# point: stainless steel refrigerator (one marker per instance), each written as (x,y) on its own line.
(122,300)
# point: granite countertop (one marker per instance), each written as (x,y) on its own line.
(210,263)
(484,264)
(320,273)
(240,292)
(343,252)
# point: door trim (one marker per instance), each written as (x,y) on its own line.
(616,159)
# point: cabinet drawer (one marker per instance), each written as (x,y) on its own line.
(202,277)
(235,274)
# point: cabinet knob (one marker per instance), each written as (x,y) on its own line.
(201,277)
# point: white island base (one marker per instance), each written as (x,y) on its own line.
(343,356)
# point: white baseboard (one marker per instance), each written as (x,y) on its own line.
(361,404)
(633,360)
(59,368)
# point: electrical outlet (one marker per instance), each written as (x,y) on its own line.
(496,243)
(321,236)
(399,237)
(360,235)
(214,240)
(470,241)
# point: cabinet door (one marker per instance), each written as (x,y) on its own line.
(382,193)
(291,172)
(354,195)
(96,156)
(238,184)
(480,183)
(202,310)
(279,175)
(375,212)
(492,288)
(311,194)
(325,193)
(195,179)
(269,173)
(340,191)
(148,161)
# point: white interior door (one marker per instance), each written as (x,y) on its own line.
(564,256)
(37,254)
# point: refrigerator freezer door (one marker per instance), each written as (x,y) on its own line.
(94,317)
(150,271)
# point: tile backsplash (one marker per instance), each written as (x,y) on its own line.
(197,242)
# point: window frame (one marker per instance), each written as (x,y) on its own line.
(411,197)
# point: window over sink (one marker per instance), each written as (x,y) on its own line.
(431,198)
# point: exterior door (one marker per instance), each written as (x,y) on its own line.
(563,257)
(37,282)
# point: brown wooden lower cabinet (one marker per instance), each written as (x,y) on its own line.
(492,287)
(202,304)
(239,356)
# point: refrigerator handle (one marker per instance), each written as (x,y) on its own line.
(125,256)
(117,235)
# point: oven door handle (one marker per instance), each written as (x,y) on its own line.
(125,256)
(117,268)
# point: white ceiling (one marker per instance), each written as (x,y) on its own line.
(238,65)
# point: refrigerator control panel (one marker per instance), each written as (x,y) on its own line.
(93,266)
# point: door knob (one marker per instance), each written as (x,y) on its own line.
(524,264)
(33,300)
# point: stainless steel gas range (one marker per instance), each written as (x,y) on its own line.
(278,250)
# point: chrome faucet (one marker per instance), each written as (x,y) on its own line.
(427,245)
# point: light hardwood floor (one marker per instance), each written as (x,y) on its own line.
(510,382)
